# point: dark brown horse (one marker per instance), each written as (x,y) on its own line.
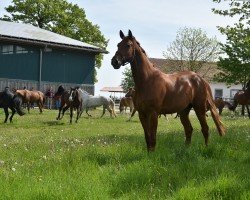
(11,101)
(220,104)
(65,103)
(76,102)
(159,93)
(243,98)
(131,94)
(126,102)
(30,97)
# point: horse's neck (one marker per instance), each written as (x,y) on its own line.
(141,68)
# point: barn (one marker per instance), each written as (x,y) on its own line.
(35,58)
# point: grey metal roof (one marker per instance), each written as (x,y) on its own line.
(30,32)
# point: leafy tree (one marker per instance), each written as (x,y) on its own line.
(127,80)
(236,64)
(191,50)
(60,17)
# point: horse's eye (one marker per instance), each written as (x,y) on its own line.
(128,45)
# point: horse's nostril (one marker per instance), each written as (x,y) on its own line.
(114,62)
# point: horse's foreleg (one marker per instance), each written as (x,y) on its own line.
(149,123)
(13,112)
(28,107)
(6,114)
(64,110)
(87,109)
(71,114)
(78,111)
(133,113)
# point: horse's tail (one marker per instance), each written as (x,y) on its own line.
(18,105)
(112,106)
(214,112)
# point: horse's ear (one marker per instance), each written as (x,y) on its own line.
(130,34)
(122,34)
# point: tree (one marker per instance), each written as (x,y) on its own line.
(191,50)
(60,17)
(236,64)
(127,80)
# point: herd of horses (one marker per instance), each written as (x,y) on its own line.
(154,93)
(75,99)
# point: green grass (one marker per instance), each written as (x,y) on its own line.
(41,158)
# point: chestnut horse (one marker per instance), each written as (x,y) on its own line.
(30,97)
(126,102)
(220,104)
(159,93)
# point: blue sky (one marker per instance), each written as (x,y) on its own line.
(153,22)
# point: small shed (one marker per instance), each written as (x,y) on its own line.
(114,91)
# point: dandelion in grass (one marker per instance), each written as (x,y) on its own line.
(5,145)
(1,162)
(13,169)
(45,157)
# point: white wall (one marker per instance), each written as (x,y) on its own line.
(228,92)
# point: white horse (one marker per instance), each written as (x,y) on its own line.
(90,101)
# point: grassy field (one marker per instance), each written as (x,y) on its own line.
(41,158)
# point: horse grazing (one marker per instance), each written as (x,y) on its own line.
(90,101)
(11,101)
(30,97)
(76,102)
(65,103)
(243,98)
(159,93)
(220,104)
(126,102)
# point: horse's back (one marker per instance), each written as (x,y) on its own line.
(170,93)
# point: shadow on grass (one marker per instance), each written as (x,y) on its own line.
(54,123)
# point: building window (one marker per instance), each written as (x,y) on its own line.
(218,93)
(20,49)
(233,92)
(7,49)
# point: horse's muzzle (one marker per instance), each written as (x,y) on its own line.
(116,63)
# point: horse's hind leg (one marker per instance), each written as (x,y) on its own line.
(201,114)
(6,114)
(248,111)
(40,106)
(103,111)
(184,117)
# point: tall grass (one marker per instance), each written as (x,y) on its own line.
(41,158)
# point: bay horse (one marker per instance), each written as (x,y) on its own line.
(11,101)
(243,98)
(30,97)
(159,93)
(65,103)
(220,104)
(126,102)
(76,102)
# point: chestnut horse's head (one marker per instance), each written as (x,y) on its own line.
(126,51)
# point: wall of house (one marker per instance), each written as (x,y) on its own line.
(222,90)
(22,63)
